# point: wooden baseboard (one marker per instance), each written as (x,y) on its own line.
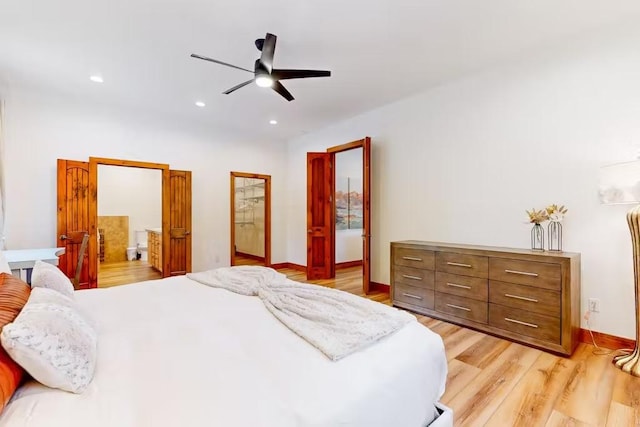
(607,341)
(379,287)
(289,265)
(250,256)
(348,264)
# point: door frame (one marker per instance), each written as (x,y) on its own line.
(267,214)
(365,144)
(93,209)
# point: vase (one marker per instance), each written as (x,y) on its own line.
(537,238)
(555,236)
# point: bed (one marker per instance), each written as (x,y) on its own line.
(174,352)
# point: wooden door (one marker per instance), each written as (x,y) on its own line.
(365,144)
(366,202)
(73,217)
(178,259)
(320,216)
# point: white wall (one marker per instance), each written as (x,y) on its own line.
(132,192)
(43,127)
(461,162)
(349,242)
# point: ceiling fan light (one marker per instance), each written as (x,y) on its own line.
(264,81)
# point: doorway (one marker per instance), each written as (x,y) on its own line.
(77,216)
(129,225)
(250,219)
(322,210)
(349,210)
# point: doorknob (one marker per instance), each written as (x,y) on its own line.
(309,231)
(63,237)
(186,233)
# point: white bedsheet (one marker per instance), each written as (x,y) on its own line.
(177,353)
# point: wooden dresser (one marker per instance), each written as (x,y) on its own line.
(525,296)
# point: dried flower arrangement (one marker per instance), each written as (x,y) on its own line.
(537,216)
(556,213)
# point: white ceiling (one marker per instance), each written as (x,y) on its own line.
(378,51)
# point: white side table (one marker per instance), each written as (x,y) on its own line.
(25,259)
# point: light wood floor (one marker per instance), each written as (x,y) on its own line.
(493,382)
(122,273)
(241,260)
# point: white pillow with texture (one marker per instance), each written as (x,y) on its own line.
(53,343)
(49,276)
(4,265)
(46,295)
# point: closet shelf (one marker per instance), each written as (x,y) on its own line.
(257,185)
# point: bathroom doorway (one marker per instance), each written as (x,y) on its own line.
(250,219)
(129,225)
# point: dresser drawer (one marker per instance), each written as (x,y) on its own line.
(414,277)
(465,265)
(465,308)
(464,286)
(533,325)
(526,298)
(414,258)
(412,295)
(539,274)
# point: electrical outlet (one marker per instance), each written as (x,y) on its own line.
(594,305)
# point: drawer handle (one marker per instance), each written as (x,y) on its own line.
(457,264)
(412,258)
(522,273)
(458,307)
(455,285)
(406,276)
(522,298)
(411,296)
(531,325)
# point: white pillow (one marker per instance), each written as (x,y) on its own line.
(47,275)
(53,343)
(46,295)
(4,265)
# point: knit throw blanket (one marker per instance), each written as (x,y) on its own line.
(335,322)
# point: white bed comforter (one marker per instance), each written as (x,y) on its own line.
(336,323)
(176,353)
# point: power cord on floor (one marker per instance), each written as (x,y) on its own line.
(598,351)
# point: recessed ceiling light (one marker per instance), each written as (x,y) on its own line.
(96,79)
(201,104)
(273,122)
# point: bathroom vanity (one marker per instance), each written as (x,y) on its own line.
(154,242)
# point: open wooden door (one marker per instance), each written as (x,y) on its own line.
(178,230)
(73,218)
(320,216)
(366,204)
(365,144)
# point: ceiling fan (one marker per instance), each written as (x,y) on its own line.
(264,73)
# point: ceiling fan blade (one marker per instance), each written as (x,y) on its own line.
(298,74)
(193,55)
(268,49)
(233,89)
(277,86)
